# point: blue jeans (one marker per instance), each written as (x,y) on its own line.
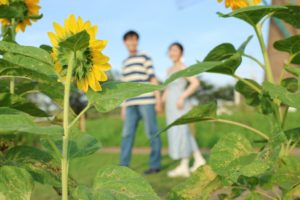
(132,117)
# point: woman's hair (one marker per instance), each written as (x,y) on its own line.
(180,46)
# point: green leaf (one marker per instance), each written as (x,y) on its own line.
(15,183)
(279,92)
(29,63)
(200,113)
(253,14)
(76,42)
(126,185)
(27,154)
(291,84)
(252,96)
(220,52)
(293,70)
(290,45)
(193,70)
(29,51)
(83,193)
(13,122)
(288,174)
(253,196)
(293,134)
(234,156)
(80,145)
(22,104)
(245,44)
(290,15)
(200,186)
(115,93)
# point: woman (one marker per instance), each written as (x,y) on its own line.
(181,142)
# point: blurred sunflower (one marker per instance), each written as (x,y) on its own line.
(236,4)
(90,63)
(3,2)
(32,10)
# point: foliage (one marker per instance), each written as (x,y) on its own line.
(235,165)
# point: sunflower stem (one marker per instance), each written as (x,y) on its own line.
(268,69)
(64,159)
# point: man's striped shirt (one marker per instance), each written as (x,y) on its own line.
(139,68)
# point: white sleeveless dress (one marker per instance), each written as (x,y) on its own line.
(180,139)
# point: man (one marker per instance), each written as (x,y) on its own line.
(138,68)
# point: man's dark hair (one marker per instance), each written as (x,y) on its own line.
(130,34)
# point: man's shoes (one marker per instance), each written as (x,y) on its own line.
(152,171)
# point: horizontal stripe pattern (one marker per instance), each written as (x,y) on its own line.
(139,68)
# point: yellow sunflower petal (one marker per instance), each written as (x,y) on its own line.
(53,39)
(93,82)
(83,85)
(59,30)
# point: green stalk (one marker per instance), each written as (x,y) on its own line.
(268,69)
(284,116)
(259,133)
(80,114)
(12,80)
(64,159)
(12,85)
(255,60)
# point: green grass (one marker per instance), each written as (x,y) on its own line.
(108,129)
(85,169)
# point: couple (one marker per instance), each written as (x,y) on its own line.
(138,68)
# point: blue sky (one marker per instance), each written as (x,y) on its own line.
(159,22)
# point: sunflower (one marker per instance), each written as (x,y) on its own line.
(3,2)
(32,9)
(236,4)
(90,65)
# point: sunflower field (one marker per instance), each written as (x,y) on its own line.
(75,60)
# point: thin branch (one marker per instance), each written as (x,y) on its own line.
(259,133)
(79,115)
(254,59)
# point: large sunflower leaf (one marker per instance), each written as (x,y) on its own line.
(253,14)
(290,15)
(200,113)
(14,122)
(200,186)
(80,145)
(251,95)
(15,183)
(22,61)
(126,185)
(20,103)
(114,93)
(27,154)
(286,97)
(29,51)
(287,175)
(229,148)
(290,44)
